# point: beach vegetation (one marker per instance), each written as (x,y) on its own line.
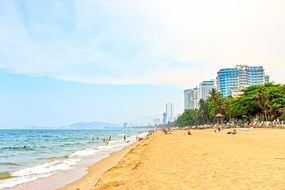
(262,102)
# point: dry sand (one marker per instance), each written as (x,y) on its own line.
(205,160)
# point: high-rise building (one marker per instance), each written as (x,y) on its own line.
(242,76)
(266,79)
(227,79)
(195,100)
(169,112)
(239,77)
(191,98)
(256,75)
(164,120)
(204,88)
(188,104)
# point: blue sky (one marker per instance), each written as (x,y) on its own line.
(43,101)
(61,60)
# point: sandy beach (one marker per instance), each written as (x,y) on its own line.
(204,160)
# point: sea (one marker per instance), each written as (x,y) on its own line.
(27,155)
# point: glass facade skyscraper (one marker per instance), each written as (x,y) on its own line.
(188,99)
(204,89)
(195,98)
(256,75)
(191,98)
(227,79)
(241,76)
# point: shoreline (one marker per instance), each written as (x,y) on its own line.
(53,172)
(204,160)
(82,169)
(95,170)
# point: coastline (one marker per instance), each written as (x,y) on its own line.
(104,158)
(79,177)
(95,170)
(204,160)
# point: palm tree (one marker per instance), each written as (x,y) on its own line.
(263,102)
(216,99)
(203,111)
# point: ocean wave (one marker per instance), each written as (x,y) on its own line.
(70,144)
(46,168)
(53,158)
(53,165)
(33,173)
(9,164)
(84,152)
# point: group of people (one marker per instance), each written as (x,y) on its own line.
(149,133)
(139,138)
(232,132)
(249,124)
(104,140)
(107,140)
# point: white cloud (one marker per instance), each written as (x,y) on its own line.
(148,42)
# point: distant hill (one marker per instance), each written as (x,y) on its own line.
(91,125)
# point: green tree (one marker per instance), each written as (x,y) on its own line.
(189,117)
(214,103)
(227,103)
(266,102)
(203,112)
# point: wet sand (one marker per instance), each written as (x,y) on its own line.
(204,160)
(96,170)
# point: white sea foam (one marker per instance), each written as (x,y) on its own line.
(33,173)
(57,166)
(84,153)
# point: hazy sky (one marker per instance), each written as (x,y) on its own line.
(82,60)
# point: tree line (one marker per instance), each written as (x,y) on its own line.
(263,102)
